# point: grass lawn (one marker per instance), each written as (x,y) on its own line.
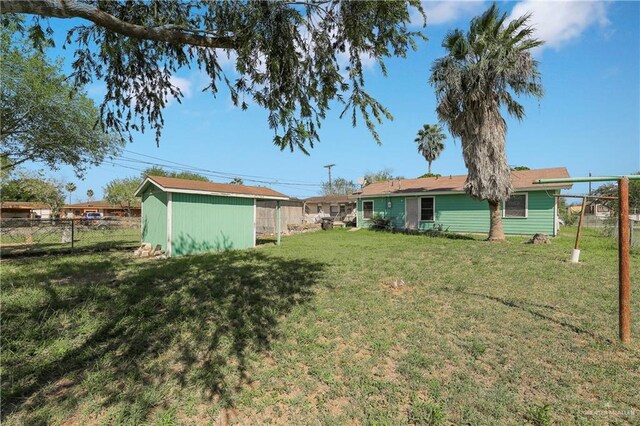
(316,332)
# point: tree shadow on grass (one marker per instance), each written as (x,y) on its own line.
(529,308)
(146,331)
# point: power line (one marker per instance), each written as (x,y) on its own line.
(288,186)
(225,175)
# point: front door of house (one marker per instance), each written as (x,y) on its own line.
(411,213)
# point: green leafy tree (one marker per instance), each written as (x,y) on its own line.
(339,186)
(90,194)
(159,171)
(237,181)
(430,143)
(43,117)
(611,190)
(288,55)
(520,168)
(477,77)
(70,188)
(380,175)
(120,193)
(35,187)
(428,175)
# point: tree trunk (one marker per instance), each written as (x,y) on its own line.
(496,233)
(429,167)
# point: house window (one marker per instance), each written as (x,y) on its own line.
(516,206)
(319,208)
(334,210)
(367,209)
(426,209)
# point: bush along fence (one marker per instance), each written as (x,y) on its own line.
(33,236)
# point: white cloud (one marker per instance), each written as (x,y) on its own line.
(559,22)
(183,84)
(444,12)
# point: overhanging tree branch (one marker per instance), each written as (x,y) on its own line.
(73,9)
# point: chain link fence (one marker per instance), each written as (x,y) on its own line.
(31,236)
(608,225)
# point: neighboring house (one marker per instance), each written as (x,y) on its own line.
(24,210)
(187,216)
(428,202)
(107,209)
(267,214)
(335,206)
(596,208)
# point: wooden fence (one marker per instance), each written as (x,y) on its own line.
(291,213)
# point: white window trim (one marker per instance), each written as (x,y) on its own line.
(373,209)
(526,207)
(420,210)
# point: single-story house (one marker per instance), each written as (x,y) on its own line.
(441,201)
(104,207)
(596,208)
(336,206)
(24,210)
(186,216)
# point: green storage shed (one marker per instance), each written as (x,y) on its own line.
(427,203)
(186,216)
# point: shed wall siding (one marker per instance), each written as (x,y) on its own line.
(461,213)
(154,217)
(203,223)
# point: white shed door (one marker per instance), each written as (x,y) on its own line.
(411,212)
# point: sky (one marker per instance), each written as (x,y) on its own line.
(588,120)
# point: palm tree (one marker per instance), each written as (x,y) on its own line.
(237,181)
(90,194)
(429,141)
(472,82)
(70,187)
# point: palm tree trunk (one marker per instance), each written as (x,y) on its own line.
(496,233)
(429,167)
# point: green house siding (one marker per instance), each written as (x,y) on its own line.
(154,217)
(461,213)
(540,215)
(204,223)
(380,207)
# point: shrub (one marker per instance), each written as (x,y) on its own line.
(380,222)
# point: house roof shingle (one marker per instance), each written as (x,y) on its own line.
(214,187)
(23,205)
(521,179)
(330,199)
(99,204)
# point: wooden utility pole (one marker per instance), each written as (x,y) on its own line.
(623,272)
(329,166)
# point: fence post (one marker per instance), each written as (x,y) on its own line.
(623,253)
(72,233)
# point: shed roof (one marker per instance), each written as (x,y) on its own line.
(521,180)
(170,184)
